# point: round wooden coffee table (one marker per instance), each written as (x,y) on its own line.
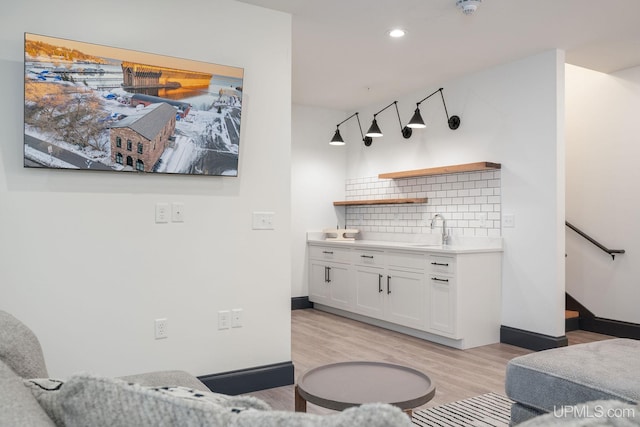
(341,385)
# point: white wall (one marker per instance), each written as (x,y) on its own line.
(82,261)
(512,114)
(317,179)
(603,181)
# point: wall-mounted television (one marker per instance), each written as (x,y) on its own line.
(95,107)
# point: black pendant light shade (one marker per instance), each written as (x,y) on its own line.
(337,138)
(416,121)
(374,130)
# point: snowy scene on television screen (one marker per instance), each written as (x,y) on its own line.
(96,107)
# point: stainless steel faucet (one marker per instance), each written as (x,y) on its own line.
(445,235)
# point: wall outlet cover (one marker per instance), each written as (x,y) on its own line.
(263,220)
(509,220)
(161,329)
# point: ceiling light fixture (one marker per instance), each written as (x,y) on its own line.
(468,6)
(417,122)
(397,33)
(375,132)
(337,138)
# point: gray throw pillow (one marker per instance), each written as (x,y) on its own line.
(48,393)
(17,405)
(93,401)
(88,400)
(20,348)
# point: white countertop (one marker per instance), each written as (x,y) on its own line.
(429,243)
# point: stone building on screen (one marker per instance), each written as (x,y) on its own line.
(138,141)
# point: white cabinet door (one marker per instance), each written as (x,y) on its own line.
(318,285)
(370,291)
(338,282)
(329,284)
(442,305)
(405,298)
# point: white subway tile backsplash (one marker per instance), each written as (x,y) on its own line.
(470,201)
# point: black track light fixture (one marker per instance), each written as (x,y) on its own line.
(337,138)
(375,132)
(417,122)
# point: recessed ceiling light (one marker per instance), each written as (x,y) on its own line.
(397,33)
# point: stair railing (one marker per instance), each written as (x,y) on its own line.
(611,252)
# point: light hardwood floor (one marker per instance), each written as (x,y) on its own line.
(318,338)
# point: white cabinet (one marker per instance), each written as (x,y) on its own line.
(369,282)
(442,296)
(385,290)
(369,295)
(465,297)
(451,298)
(405,303)
(329,276)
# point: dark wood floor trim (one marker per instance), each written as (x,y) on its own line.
(530,340)
(614,328)
(251,379)
(299,303)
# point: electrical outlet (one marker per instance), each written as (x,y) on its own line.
(177,212)
(224,319)
(236,318)
(509,220)
(162,329)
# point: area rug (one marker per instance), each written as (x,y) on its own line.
(486,410)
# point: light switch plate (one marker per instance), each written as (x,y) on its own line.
(162,213)
(263,220)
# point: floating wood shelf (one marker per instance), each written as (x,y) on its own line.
(380,201)
(468,167)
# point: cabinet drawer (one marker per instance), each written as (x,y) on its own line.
(441,264)
(411,260)
(330,253)
(366,257)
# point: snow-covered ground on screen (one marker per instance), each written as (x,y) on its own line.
(45,159)
(176,159)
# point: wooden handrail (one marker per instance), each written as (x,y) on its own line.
(611,252)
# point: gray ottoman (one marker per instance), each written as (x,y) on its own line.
(603,370)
